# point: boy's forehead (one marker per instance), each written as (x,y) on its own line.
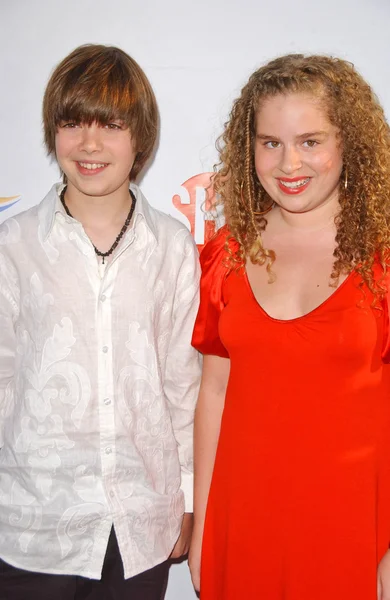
(100,116)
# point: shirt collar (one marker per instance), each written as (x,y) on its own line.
(143,210)
(51,206)
(48,209)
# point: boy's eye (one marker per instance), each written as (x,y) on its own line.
(69,124)
(114,126)
(310,143)
(272,144)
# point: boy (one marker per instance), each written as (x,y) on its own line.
(98,380)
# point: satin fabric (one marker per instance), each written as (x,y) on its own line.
(215,269)
(299,503)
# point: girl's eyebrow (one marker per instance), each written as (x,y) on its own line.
(309,134)
(264,136)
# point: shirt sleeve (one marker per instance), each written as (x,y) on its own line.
(183,364)
(9,303)
(205,337)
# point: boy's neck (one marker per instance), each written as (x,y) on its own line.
(98,210)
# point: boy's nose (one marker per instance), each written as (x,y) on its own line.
(91,139)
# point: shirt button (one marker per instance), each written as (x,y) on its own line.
(112,493)
(108,450)
(107,401)
(105,349)
(103,298)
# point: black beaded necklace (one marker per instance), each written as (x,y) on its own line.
(120,234)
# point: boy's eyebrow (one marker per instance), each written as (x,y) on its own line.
(309,134)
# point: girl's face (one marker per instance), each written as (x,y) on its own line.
(298,155)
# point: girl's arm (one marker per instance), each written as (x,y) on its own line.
(208,416)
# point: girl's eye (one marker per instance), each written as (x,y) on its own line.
(310,143)
(272,144)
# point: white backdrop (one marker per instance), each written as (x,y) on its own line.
(197,54)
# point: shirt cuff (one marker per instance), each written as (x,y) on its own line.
(187,487)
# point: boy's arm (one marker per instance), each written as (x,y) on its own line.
(183,365)
(9,309)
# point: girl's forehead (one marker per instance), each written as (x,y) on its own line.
(292,99)
(291,108)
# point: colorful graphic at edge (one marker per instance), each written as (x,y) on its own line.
(7,202)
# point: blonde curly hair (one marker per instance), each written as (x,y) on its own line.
(363,222)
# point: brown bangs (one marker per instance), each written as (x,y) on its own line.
(101,84)
(96,95)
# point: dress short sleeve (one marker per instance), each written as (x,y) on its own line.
(214,272)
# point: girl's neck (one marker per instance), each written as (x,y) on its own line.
(320,218)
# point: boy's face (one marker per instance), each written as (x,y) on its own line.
(96,159)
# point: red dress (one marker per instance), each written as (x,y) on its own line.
(299,505)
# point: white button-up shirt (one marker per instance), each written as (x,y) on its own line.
(98,382)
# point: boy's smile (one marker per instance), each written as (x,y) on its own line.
(89,168)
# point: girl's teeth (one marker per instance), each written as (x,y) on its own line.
(294,184)
(92,166)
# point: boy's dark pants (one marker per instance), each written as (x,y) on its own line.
(17,584)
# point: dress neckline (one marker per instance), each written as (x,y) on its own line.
(306,315)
